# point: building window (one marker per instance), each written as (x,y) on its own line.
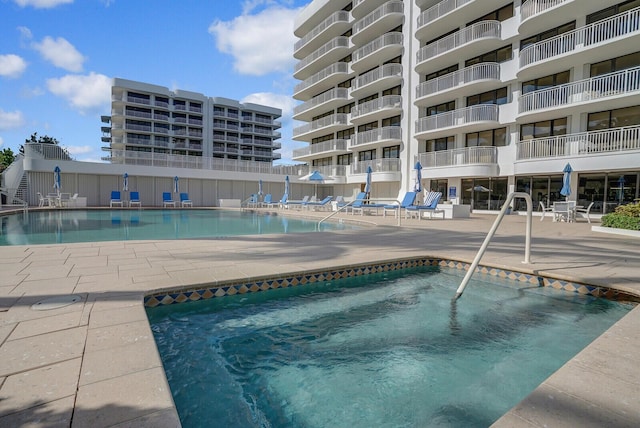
(346,109)
(345,134)
(322,162)
(545,128)
(497,96)
(392,152)
(344,159)
(491,137)
(391,121)
(615,64)
(368,126)
(441,73)
(439,144)
(501,14)
(499,55)
(547,34)
(392,91)
(366,155)
(628,116)
(441,108)
(321,139)
(545,82)
(613,10)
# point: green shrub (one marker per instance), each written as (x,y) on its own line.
(624,217)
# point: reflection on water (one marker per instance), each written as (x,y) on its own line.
(48,227)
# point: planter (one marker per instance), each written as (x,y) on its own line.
(614,231)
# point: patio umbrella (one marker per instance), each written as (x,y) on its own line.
(566,181)
(367,184)
(259,187)
(418,185)
(286,185)
(56,179)
(315,177)
(125,182)
(621,183)
(176,184)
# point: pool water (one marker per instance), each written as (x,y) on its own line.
(60,226)
(384,350)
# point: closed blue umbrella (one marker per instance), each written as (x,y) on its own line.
(418,185)
(260,187)
(176,184)
(367,183)
(56,179)
(286,185)
(566,181)
(125,182)
(621,184)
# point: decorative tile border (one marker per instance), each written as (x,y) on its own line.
(263,284)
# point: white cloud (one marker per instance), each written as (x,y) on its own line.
(260,43)
(41,4)
(1,141)
(12,65)
(11,119)
(79,150)
(60,53)
(283,102)
(91,92)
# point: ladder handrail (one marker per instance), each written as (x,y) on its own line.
(496,223)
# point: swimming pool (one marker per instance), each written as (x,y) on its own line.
(58,226)
(384,350)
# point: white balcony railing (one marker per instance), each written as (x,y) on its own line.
(581,144)
(333,94)
(533,7)
(594,88)
(382,11)
(386,70)
(377,165)
(338,67)
(379,134)
(477,31)
(387,39)
(459,157)
(483,71)
(334,119)
(338,42)
(438,10)
(382,103)
(598,32)
(323,147)
(477,113)
(339,16)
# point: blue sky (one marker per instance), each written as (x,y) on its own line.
(57,59)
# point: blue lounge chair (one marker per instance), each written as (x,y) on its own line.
(430,205)
(300,203)
(167,201)
(134,199)
(361,204)
(252,202)
(267,201)
(320,204)
(115,198)
(185,201)
(408,200)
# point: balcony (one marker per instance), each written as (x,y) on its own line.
(385,47)
(388,105)
(608,91)
(463,162)
(329,53)
(361,8)
(385,76)
(322,126)
(337,23)
(473,79)
(479,37)
(612,37)
(593,143)
(438,18)
(325,148)
(138,100)
(379,166)
(381,20)
(468,119)
(321,81)
(136,113)
(537,16)
(375,138)
(322,103)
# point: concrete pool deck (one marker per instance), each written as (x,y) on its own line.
(94,362)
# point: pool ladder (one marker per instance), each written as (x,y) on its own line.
(496,223)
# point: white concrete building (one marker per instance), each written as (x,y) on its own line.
(491,96)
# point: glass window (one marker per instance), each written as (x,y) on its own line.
(497,96)
(491,137)
(344,159)
(391,152)
(439,144)
(547,34)
(441,108)
(499,55)
(367,155)
(628,116)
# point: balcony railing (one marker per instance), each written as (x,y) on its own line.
(339,16)
(134,113)
(598,32)
(484,71)
(323,147)
(387,70)
(138,100)
(438,10)
(373,135)
(377,165)
(477,31)
(581,144)
(594,88)
(477,113)
(385,102)
(387,39)
(334,119)
(333,94)
(338,67)
(534,7)
(382,11)
(338,42)
(459,157)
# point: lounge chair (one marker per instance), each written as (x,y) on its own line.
(115,198)
(42,201)
(362,205)
(267,201)
(323,204)
(430,205)
(408,200)
(134,199)
(545,210)
(304,201)
(283,201)
(252,202)
(167,201)
(185,201)
(585,211)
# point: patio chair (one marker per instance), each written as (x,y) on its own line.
(42,201)
(408,199)
(585,211)
(134,199)
(563,211)
(185,201)
(167,201)
(323,204)
(363,205)
(267,201)
(544,210)
(304,200)
(430,205)
(115,199)
(252,202)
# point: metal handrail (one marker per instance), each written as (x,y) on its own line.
(496,223)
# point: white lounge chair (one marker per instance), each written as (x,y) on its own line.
(185,201)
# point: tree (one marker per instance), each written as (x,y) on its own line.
(45,139)
(6,158)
